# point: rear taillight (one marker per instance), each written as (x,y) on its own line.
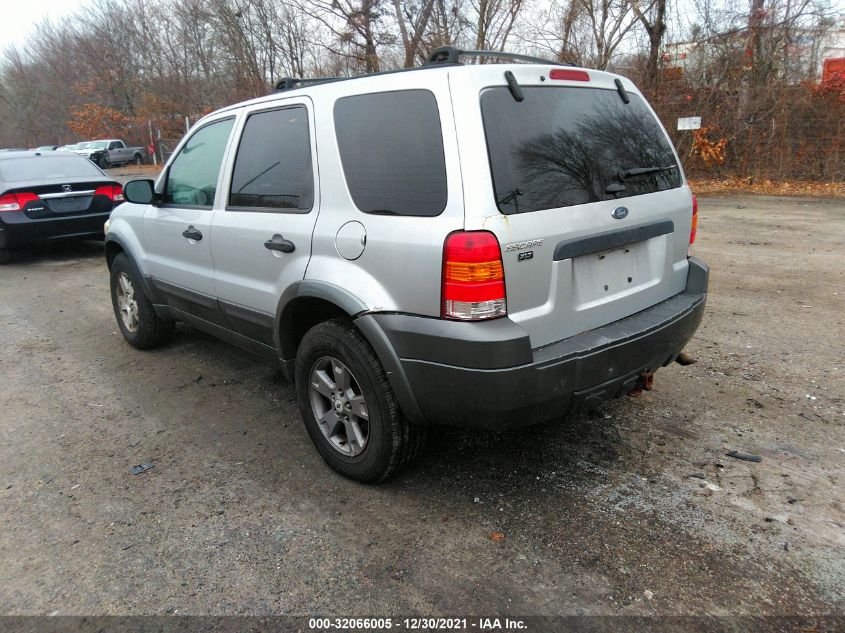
(16,201)
(694,220)
(115,192)
(473,277)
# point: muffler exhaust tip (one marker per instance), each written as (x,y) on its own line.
(685,359)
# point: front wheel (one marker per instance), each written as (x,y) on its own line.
(103,162)
(136,318)
(348,406)
(5,256)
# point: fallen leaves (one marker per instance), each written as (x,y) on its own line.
(768,187)
(497,537)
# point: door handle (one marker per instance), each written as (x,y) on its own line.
(278,243)
(192,234)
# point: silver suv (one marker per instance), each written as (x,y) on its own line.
(484,245)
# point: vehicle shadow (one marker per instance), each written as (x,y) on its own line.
(518,459)
(564,448)
(58,251)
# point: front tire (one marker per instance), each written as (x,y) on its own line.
(5,256)
(136,318)
(348,406)
(103,162)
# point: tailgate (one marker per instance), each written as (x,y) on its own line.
(591,269)
(584,192)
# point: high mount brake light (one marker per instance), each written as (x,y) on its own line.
(473,277)
(16,201)
(567,74)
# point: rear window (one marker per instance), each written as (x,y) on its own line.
(53,166)
(391,147)
(273,164)
(564,146)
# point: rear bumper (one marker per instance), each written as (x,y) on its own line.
(16,229)
(486,375)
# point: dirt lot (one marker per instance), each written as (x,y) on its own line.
(632,509)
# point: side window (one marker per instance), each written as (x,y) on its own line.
(192,179)
(273,164)
(115,145)
(391,147)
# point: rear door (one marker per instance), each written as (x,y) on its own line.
(583,189)
(177,234)
(261,240)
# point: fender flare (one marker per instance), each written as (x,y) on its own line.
(149,290)
(358,311)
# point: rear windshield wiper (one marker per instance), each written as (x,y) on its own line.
(642,171)
(619,186)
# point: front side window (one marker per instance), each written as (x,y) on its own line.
(563,146)
(192,178)
(391,147)
(273,165)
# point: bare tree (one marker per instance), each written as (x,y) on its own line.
(494,21)
(355,27)
(652,17)
(413,18)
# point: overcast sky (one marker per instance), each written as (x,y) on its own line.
(19,17)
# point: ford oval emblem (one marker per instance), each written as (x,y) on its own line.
(620,212)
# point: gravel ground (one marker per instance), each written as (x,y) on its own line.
(631,509)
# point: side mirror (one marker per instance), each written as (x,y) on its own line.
(139,191)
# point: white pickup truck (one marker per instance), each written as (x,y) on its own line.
(110,153)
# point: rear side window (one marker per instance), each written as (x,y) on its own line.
(391,147)
(273,165)
(564,146)
(192,179)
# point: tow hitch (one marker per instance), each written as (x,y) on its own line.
(646,383)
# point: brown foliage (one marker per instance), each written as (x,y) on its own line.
(709,150)
(96,121)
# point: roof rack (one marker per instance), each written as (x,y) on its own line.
(452,55)
(445,55)
(290,83)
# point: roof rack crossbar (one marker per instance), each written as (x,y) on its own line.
(452,55)
(290,83)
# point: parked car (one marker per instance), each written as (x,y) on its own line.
(46,148)
(71,147)
(50,196)
(111,153)
(477,245)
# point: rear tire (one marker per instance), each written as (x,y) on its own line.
(136,318)
(368,448)
(139,160)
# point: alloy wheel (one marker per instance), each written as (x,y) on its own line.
(339,407)
(126,302)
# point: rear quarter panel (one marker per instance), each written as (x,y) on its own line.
(400,268)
